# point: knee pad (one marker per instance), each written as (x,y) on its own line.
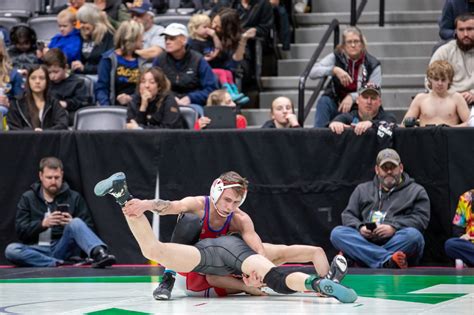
(275,279)
(187,229)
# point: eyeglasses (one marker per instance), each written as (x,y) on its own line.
(353,42)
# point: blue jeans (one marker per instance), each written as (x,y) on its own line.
(77,236)
(358,248)
(457,248)
(326,110)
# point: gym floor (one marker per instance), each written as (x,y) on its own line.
(128,289)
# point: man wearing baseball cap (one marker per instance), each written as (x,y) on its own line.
(191,77)
(385,218)
(368,114)
(142,12)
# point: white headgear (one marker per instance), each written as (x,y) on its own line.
(218,188)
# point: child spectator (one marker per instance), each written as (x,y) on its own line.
(37,110)
(206,41)
(69,38)
(282,114)
(68,89)
(23,50)
(439,106)
(220,98)
(153,106)
(10,81)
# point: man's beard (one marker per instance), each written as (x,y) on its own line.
(394,181)
(464,47)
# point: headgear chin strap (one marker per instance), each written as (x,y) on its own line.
(218,188)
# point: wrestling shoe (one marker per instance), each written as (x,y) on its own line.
(335,290)
(116,185)
(338,269)
(164,289)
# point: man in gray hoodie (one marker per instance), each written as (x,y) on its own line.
(385,218)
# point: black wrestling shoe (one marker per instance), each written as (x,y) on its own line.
(116,185)
(164,289)
(338,269)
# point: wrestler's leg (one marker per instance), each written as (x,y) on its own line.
(232,285)
(182,258)
(280,254)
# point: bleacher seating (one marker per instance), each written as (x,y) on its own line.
(9,22)
(45,26)
(189,115)
(101,118)
(165,20)
(20,8)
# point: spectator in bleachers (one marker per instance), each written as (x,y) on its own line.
(460,54)
(68,89)
(439,106)
(384,218)
(282,23)
(350,66)
(461,246)
(54,223)
(220,98)
(191,77)
(69,38)
(153,105)
(5,35)
(119,69)
(282,114)
(97,38)
(451,10)
(23,50)
(116,11)
(226,63)
(10,81)
(368,114)
(37,110)
(142,12)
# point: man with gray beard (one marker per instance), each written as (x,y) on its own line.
(385,218)
(460,54)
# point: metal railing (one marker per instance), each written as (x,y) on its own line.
(356,12)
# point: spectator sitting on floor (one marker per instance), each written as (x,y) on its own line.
(69,38)
(462,245)
(282,114)
(153,106)
(37,110)
(119,69)
(68,89)
(460,54)
(190,75)
(97,38)
(220,98)
(351,67)
(385,218)
(439,106)
(369,112)
(54,223)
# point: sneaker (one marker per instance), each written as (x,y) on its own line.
(116,185)
(397,261)
(164,289)
(101,258)
(335,290)
(338,269)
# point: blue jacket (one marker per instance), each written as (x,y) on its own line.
(452,9)
(70,45)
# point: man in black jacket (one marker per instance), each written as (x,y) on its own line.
(385,218)
(53,224)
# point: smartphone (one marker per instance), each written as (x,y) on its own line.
(63,207)
(40,45)
(371,226)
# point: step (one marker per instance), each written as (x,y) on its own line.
(374,5)
(388,81)
(391,98)
(378,49)
(390,65)
(375,33)
(325,18)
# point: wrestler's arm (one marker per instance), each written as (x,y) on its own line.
(136,207)
(233,285)
(244,225)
